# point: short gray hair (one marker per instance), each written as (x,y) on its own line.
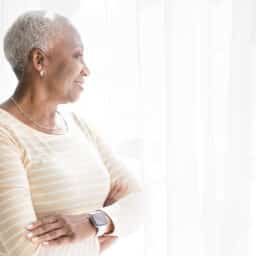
(33,29)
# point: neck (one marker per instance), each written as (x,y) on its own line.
(36,104)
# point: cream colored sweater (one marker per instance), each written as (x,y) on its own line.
(67,174)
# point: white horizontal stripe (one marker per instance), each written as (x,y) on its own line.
(6,202)
(57,201)
(15,236)
(5,193)
(11,167)
(14,216)
(15,180)
(19,245)
(58,190)
(59,171)
(60,182)
(17,206)
(54,203)
(83,192)
(64,183)
(17,223)
(70,208)
(49,174)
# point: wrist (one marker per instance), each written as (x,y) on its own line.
(92,228)
(101,222)
(85,223)
(110,226)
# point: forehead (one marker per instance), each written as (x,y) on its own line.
(69,39)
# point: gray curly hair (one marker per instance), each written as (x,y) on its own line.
(33,29)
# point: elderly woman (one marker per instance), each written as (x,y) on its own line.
(62,192)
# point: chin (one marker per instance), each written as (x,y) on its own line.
(73,98)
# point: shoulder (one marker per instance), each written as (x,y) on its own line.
(7,132)
(9,142)
(10,133)
(8,124)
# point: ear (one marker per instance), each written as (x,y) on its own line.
(39,60)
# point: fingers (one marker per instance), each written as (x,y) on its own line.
(114,190)
(107,238)
(118,190)
(59,241)
(106,241)
(53,235)
(42,221)
(113,194)
(48,228)
(121,189)
(40,230)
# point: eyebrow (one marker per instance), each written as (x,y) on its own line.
(79,47)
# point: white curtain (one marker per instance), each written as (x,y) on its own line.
(172,89)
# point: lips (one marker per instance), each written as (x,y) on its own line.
(79,83)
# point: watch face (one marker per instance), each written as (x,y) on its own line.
(100,219)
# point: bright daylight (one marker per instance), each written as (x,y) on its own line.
(127,128)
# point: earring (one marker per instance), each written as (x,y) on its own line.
(42,73)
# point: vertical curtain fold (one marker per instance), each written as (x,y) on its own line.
(177,78)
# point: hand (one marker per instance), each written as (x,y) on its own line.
(118,190)
(60,229)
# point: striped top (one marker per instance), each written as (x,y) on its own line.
(73,173)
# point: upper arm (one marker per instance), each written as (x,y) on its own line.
(16,208)
(126,213)
(118,171)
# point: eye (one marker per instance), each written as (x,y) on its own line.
(78,55)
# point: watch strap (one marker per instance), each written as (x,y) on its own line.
(100,229)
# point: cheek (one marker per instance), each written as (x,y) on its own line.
(65,72)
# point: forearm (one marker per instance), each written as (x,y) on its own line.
(127,214)
(110,226)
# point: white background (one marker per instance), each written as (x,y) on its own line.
(172,88)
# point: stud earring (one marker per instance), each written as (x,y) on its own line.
(42,73)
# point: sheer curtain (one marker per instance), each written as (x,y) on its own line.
(172,89)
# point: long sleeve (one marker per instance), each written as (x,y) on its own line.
(15,200)
(127,213)
(16,207)
(41,174)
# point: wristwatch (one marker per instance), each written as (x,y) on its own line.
(100,221)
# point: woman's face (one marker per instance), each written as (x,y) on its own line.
(66,69)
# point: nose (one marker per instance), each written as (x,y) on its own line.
(85,70)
